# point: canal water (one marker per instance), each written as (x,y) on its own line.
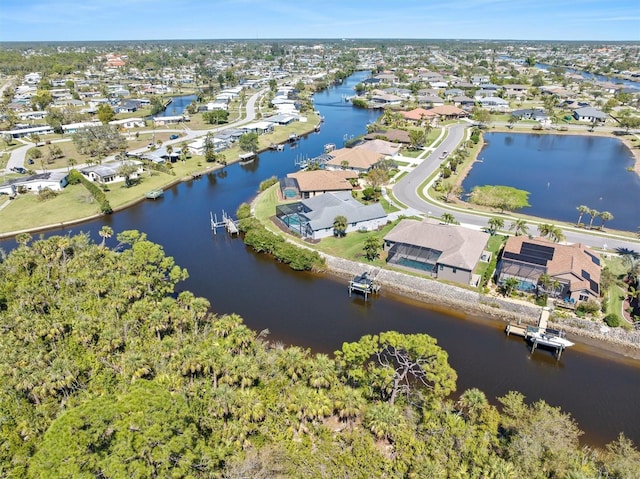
(562,172)
(177,106)
(315,311)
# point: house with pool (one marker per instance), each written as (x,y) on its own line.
(313,218)
(574,270)
(444,251)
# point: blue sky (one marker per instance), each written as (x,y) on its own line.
(50,20)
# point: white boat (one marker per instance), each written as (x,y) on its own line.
(551,338)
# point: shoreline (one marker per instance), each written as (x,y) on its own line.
(429,292)
(191,176)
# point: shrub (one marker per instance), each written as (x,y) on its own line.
(263,241)
(46,194)
(268,183)
(589,306)
(612,320)
(95,191)
(243,211)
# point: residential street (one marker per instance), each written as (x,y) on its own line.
(406,191)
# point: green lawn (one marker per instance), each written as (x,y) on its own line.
(615,292)
(493,245)
(26,211)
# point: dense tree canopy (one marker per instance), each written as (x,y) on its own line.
(106,370)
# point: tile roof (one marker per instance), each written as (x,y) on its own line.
(574,263)
(461,247)
(359,158)
(323,180)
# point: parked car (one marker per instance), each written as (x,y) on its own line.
(174,137)
(19,169)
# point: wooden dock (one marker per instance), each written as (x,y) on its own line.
(516,330)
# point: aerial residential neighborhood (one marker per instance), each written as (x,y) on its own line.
(292,242)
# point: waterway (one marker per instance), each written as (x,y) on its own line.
(315,311)
(595,76)
(177,106)
(562,172)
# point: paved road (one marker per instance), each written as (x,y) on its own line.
(406,191)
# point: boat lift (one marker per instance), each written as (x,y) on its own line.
(227,223)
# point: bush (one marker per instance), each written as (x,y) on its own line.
(243,211)
(263,241)
(612,320)
(589,306)
(74,177)
(95,191)
(46,194)
(268,183)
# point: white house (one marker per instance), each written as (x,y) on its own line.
(54,180)
(108,173)
(128,123)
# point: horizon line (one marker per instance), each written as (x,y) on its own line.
(337,39)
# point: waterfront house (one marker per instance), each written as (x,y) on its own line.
(54,180)
(169,120)
(393,135)
(380,146)
(109,172)
(356,159)
(575,268)
(445,251)
(307,184)
(313,218)
(590,114)
(385,99)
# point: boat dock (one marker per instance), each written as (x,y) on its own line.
(541,335)
(227,223)
(247,157)
(154,194)
(364,284)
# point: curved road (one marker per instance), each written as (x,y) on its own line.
(406,191)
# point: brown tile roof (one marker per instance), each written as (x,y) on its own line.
(358,158)
(448,110)
(568,262)
(418,114)
(395,136)
(324,180)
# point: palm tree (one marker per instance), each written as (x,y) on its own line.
(495,224)
(593,213)
(448,218)
(605,216)
(509,285)
(520,227)
(340,225)
(553,232)
(582,209)
(105,232)
(544,229)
